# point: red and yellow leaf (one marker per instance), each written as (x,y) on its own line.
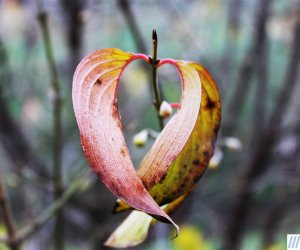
(178,157)
(94,99)
(193,160)
(176,133)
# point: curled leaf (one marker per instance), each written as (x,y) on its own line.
(193,160)
(95,84)
(174,136)
(184,147)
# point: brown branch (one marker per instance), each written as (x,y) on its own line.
(155,85)
(274,217)
(72,10)
(57,124)
(51,211)
(125,8)
(280,207)
(252,62)
(8,218)
(16,145)
(129,16)
(260,67)
(234,11)
(258,164)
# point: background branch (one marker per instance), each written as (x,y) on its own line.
(25,232)
(17,146)
(253,61)
(8,218)
(57,124)
(132,24)
(258,164)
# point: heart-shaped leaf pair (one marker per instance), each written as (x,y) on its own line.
(179,155)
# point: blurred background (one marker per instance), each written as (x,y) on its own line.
(249,197)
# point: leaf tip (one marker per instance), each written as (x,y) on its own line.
(176,232)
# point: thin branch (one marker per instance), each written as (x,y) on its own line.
(140,44)
(17,146)
(54,209)
(155,86)
(273,218)
(234,12)
(8,218)
(252,62)
(258,164)
(57,124)
(51,211)
(261,57)
(280,208)
(127,12)
(72,10)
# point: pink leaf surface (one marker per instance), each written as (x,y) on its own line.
(94,99)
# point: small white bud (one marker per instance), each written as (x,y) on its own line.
(216,159)
(232,143)
(165,109)
(140,138)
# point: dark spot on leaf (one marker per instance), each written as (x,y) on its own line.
(163,178)
(206,153)
(118,123)
(123,152)
(115,112)
(210,104)
(216,129)
(99,174)
(98,81)
(197,147)
(196,162)
(197,178)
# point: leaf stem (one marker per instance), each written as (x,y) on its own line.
(157,101)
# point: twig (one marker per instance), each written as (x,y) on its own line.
(72,9)
(258,164)
(233,25)
(55,208)
(251,63)
(8,218)
(280,207)
(138,39)
(18,148)
(274,217)
(261,57)
(155,86)
(57,125)
(52,210)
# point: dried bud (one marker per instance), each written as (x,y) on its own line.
(232,143)
(140,138)
(216,159)
(165,109)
